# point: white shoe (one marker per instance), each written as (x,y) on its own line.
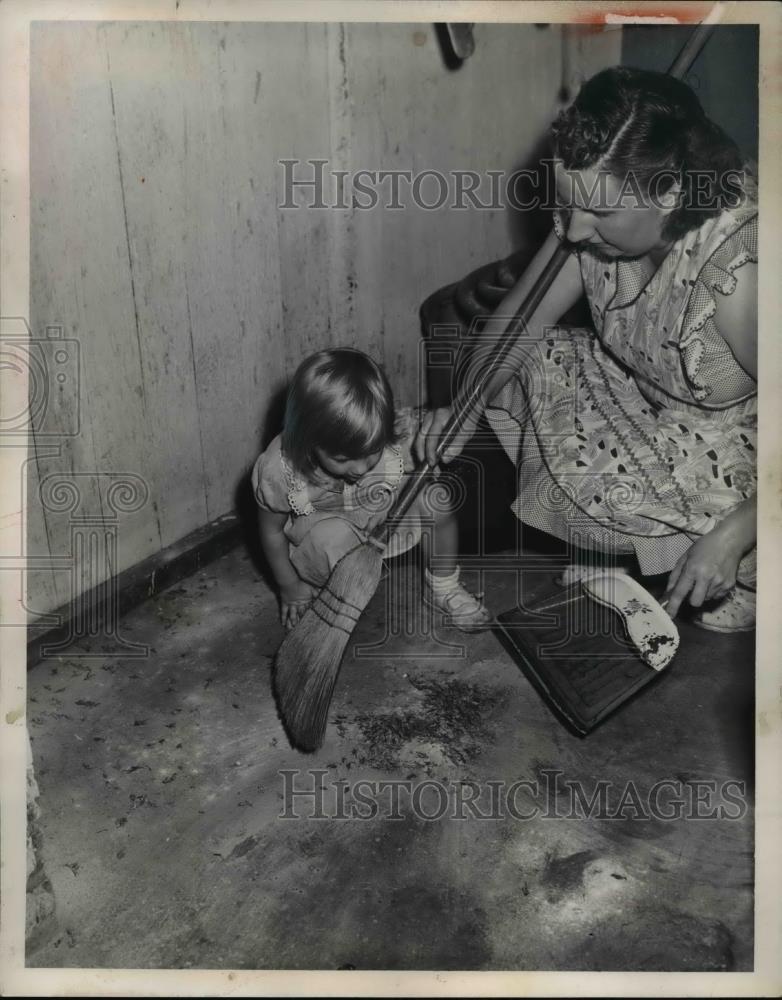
(734,613)
(461,608)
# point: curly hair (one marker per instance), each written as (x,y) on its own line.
(653,126)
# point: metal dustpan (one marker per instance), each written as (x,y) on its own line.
(590,647)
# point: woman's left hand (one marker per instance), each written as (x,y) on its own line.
(708,569)
(705,572)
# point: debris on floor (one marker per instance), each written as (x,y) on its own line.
(449,821)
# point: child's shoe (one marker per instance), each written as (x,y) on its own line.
(735,613)
(461,608)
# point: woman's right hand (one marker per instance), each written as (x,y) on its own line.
(430,432)
(295,598)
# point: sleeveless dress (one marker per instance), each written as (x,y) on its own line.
(328,517)
(643,437)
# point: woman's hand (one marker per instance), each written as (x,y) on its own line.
(431,429)
(295,598)
(707,570)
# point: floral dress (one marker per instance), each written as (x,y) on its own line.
(642,438)
(328,517)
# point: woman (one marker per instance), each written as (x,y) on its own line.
(641,440)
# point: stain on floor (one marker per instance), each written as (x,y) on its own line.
(180,830)
(452,718)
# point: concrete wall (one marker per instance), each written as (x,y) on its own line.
(160,255)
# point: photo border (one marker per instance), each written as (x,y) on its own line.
(15,19)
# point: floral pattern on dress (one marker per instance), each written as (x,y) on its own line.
(650,438)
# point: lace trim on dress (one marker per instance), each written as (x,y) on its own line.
(298,494)
(395,466)
(559,225)
(699,339)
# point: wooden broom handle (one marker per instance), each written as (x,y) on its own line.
(472,401)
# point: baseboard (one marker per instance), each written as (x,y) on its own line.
(140,582)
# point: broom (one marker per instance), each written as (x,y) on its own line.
(308,660)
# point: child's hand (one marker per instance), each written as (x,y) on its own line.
(294,601)
(375,520)
(430,432)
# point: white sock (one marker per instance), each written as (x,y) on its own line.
(442,584)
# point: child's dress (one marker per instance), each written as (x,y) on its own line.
(328,517)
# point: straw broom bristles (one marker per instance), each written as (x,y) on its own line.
(308,661)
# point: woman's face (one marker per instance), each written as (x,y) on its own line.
(610,217)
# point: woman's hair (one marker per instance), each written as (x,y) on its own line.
(339,401)
(630,120)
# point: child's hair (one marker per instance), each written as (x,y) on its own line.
(339,401)
(651,125)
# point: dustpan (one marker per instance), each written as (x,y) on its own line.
(590,648)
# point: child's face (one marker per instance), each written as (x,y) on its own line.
(349,469)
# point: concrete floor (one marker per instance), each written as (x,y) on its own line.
(161,799)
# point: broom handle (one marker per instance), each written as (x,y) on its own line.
(694,44)
(471,402)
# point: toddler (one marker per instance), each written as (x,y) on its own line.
(333,475)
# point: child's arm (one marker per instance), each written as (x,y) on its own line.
(295,594)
